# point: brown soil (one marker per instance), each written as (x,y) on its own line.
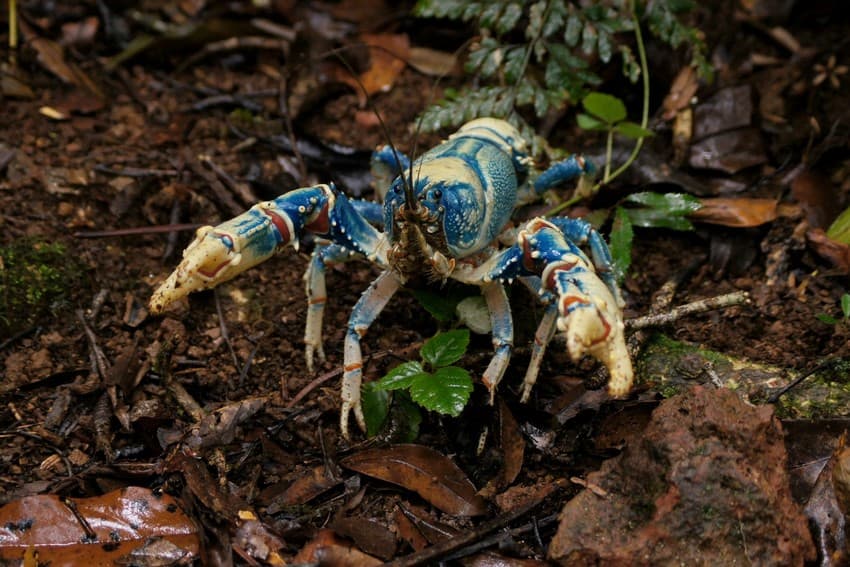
(90,379)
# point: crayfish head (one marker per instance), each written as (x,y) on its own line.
(212,258)
(418,251)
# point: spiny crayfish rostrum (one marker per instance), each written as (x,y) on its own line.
(446,215)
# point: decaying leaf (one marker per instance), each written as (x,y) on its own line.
(738,213)
(835,252)
(729,152)
(326,549)
(370,536)
(682,90)
(432,475)
(387,54)
(115,524)
(306,487)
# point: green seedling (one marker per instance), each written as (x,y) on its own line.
(845,313)
(433,382)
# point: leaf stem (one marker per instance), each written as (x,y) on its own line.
(644,120)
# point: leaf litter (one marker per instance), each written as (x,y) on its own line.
(244,365)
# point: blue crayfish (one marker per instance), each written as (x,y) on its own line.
(446,215)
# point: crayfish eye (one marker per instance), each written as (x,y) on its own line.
(227,241)
(436,195)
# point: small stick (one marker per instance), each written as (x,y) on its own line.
(136,230)
(699,306)
(430,555)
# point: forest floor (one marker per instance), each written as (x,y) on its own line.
(212,404)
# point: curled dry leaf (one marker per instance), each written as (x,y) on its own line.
(835,252)
(432,475)
(682,90)
(119,522)
(738,213)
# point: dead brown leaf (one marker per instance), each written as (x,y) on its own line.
(682,90)
(738,213)
(835,252)
(326,550)
(387,56)
(423,470)
(305,488)
(512,443)
(370,536)
(130,517)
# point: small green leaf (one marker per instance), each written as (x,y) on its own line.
(446,391)
(839,230)
(622,235)
(671,203)
(375,407)
(824,318)
(588,122)
(445,348)
(606,107)
(401,376)
(845,305)
(633,131)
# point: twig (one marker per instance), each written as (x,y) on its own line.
(222,195)
(319,380)
(495,539)
(222,324)
(18,336)
(430,555)
(99,362)
(699,306)
(136,230)
(825,364)
(135,171)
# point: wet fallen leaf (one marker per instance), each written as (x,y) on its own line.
(115,524)
(328,550)
(408,531)
(739,213)
(370,536)
(835,252)
(730,151)
(426,526)
(432,475)
(305,488)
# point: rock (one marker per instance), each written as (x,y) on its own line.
(706,485)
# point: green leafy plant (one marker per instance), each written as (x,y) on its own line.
(845,312)
(537,55)
(608,113)
(433,382)
(648,210)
